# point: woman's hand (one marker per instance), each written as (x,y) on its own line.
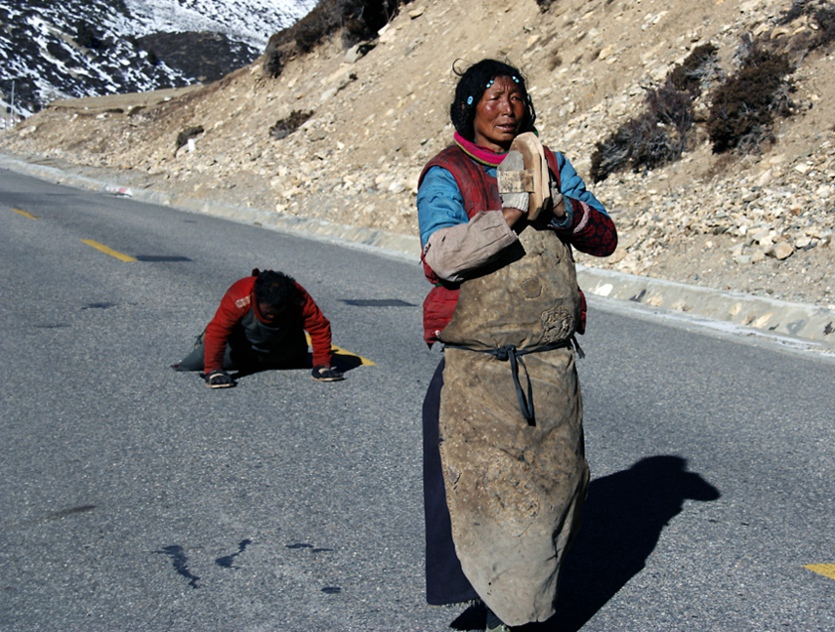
(512,215)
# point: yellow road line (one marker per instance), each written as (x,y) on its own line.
(363,361)
(341,351)
(108,251)
(24,213)
(827,570)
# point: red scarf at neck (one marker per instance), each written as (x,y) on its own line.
(479,154)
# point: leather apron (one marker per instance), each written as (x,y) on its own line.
(515,483)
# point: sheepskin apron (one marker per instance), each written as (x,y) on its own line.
(514,486)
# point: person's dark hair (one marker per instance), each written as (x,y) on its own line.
(471,86)
(275,289)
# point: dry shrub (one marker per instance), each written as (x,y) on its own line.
(740,117)
(652,139)
(555,61)
(743,108)
(825,18)
(323,20)
(697,70)
(187,134)
(274,58)
(612,154)
(821,12)
(359,20)
(286,126)
(659,134)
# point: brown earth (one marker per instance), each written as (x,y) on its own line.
(760,224)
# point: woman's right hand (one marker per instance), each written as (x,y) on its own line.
(512,215)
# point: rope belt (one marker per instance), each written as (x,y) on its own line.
(514,355)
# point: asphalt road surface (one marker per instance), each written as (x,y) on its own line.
(135,498)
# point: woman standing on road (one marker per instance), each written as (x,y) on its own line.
(505,474)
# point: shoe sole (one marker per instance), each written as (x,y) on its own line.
(536,165)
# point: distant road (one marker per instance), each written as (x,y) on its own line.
(124,100)
(134,498)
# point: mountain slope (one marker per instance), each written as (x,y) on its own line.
(373,121)
(81,48)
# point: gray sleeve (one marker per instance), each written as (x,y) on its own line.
(455,250)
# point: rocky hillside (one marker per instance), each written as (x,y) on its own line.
(371,117)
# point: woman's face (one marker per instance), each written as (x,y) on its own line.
(499,114)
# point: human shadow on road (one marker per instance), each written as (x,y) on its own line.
(343,362)
(623,518)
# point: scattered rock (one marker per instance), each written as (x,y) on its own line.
(780,251)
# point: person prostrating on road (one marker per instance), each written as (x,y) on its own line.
(260,324)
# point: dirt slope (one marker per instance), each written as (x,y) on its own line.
(718,221)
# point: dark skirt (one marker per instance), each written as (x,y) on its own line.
(445,581)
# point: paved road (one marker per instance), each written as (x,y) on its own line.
(134,498)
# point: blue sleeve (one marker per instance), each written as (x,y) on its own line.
(572,185)
(439,203)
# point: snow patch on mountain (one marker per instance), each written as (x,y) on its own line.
(79,48)
(248,20)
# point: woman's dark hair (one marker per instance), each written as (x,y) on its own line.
(472,84)
(276,289)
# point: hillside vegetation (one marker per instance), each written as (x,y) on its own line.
(708,129)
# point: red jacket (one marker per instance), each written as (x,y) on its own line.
(239,300)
